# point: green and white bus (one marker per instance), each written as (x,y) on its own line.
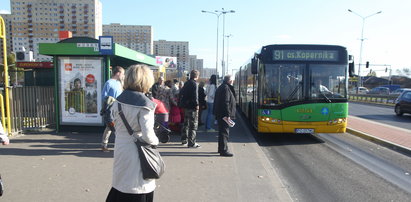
(295,89)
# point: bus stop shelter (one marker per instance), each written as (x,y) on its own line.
(81,68)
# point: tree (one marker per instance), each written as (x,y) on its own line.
(372,73)
(16,74)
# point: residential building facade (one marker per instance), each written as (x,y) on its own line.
(177,49)
(39,21)
(136,37)
(207,72)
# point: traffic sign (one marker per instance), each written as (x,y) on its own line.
(105,44)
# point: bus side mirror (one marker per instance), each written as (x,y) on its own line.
(351,70)
(254,68)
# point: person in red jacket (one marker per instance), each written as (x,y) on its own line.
(161,112)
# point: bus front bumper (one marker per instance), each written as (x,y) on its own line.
(334,126)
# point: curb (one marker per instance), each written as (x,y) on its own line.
(382,142)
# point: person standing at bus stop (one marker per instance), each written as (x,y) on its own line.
(113,87)
(210,93)
(189,101)
(224,110)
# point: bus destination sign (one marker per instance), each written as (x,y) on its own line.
(305,55)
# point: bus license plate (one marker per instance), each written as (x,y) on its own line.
(304,130)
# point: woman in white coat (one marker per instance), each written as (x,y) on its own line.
(210,93)
(128,182)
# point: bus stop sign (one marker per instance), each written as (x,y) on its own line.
(105,44)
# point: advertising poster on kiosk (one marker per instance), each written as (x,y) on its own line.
(80,90)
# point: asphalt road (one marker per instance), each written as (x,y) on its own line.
(379,113)
(316,169)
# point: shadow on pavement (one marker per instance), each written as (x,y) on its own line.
(62,144)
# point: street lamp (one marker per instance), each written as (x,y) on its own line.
(228,37)
(362,40)
(224,12)
(218,20)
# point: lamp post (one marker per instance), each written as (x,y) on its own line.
(228,37)
(218,20)
(362,40)
(224,12)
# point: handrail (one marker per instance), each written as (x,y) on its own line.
(3,118)
(6,72)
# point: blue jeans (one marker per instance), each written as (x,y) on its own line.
(210,117)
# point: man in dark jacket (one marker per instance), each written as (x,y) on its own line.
(224,111)
(155,88)
(189,101)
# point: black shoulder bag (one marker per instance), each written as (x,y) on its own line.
(151,162)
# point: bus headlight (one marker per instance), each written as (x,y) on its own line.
(270,120)
(337,121)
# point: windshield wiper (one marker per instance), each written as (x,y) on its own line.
(328,99)
(294,91)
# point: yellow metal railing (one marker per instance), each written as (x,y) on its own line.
(3,117)
(6,73)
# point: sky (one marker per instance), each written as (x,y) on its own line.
(257,23)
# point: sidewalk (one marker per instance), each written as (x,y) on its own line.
(393,137)
(70,167)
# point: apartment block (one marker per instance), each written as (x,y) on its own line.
(207,72)
(196,64)
(136,37)
(199,66)
(39,21)
(177,49)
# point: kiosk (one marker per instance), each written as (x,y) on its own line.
(81,67)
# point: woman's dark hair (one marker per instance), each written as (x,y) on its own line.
(213,79)
(169,83)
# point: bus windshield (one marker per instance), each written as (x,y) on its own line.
(282,83)
(327,82)
(286,83)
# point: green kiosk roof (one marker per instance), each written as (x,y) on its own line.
(85,46)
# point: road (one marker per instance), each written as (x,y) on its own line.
(379,113)
(349,169)
(342,167)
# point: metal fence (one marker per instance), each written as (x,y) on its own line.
(32,107)
(381,99)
